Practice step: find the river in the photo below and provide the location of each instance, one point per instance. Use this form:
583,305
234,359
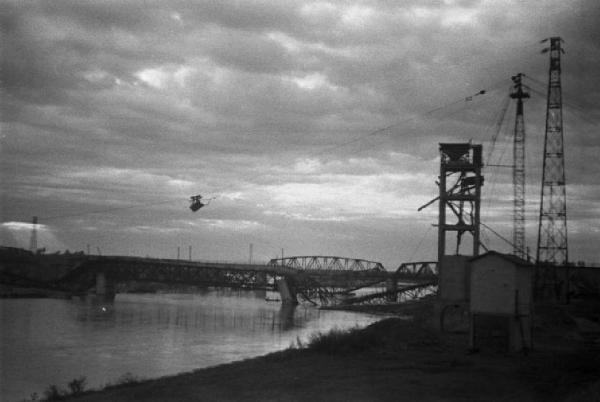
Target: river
51,341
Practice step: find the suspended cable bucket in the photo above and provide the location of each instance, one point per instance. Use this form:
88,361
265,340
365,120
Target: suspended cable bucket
197,202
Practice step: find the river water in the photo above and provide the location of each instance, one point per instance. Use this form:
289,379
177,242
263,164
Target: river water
50,341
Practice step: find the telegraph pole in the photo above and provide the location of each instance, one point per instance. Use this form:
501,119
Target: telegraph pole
519,169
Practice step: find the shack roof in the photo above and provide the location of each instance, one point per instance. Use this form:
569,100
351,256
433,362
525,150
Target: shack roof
509,257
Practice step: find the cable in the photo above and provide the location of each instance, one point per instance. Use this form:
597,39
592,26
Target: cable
497,234
502,237
493,173
465,101
420,242
499,124
48,218
574,107
386,130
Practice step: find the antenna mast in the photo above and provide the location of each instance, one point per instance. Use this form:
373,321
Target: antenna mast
519,170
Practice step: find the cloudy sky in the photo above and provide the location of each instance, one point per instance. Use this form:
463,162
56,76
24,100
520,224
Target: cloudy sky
315,125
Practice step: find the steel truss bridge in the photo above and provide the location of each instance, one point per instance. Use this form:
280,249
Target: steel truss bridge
199,273
417,270
327,263
84,272
316,278
412,280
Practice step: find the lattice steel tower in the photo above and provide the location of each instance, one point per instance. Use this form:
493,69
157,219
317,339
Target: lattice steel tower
552,231
519,170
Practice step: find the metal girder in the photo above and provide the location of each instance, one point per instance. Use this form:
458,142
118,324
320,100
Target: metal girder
322,282
327,263
409,292
418,270
164,272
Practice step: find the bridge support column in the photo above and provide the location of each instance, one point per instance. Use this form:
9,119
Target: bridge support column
261,279
287,291
391,285
104,290
261,282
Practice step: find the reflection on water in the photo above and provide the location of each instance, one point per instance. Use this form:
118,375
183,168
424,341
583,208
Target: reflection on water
47,341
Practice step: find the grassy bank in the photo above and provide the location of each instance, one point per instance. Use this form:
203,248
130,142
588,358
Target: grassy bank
391,360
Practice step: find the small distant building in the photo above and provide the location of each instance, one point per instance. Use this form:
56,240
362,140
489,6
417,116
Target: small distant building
500,302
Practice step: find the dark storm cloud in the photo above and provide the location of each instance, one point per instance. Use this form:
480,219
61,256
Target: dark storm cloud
110,103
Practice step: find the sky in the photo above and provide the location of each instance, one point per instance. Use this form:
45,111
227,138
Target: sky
314,126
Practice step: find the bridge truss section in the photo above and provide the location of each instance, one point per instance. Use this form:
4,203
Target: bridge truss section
404,293
327,263
426,270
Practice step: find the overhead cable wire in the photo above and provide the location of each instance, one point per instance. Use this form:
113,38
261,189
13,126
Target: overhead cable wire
383,130
465,100
420,242
462,100
499,123
577,111
100,211
583,113
504,238
494,171
497,234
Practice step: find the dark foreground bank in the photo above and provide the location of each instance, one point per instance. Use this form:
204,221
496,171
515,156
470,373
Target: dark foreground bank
392,360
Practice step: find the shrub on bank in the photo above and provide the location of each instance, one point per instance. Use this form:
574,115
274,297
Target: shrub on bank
389,335
125,379
342,341
55,393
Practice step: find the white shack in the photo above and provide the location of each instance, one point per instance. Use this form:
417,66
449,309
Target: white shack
501,302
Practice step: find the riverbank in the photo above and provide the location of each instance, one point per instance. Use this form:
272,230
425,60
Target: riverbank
394,359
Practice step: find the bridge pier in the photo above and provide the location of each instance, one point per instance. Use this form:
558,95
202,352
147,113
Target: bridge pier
391,285
286,289
262,279
104,289
286,316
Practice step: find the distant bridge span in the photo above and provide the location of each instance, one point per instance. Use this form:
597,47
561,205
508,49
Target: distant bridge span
327,263
102,272
218,273
120,269
320,276
427,270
